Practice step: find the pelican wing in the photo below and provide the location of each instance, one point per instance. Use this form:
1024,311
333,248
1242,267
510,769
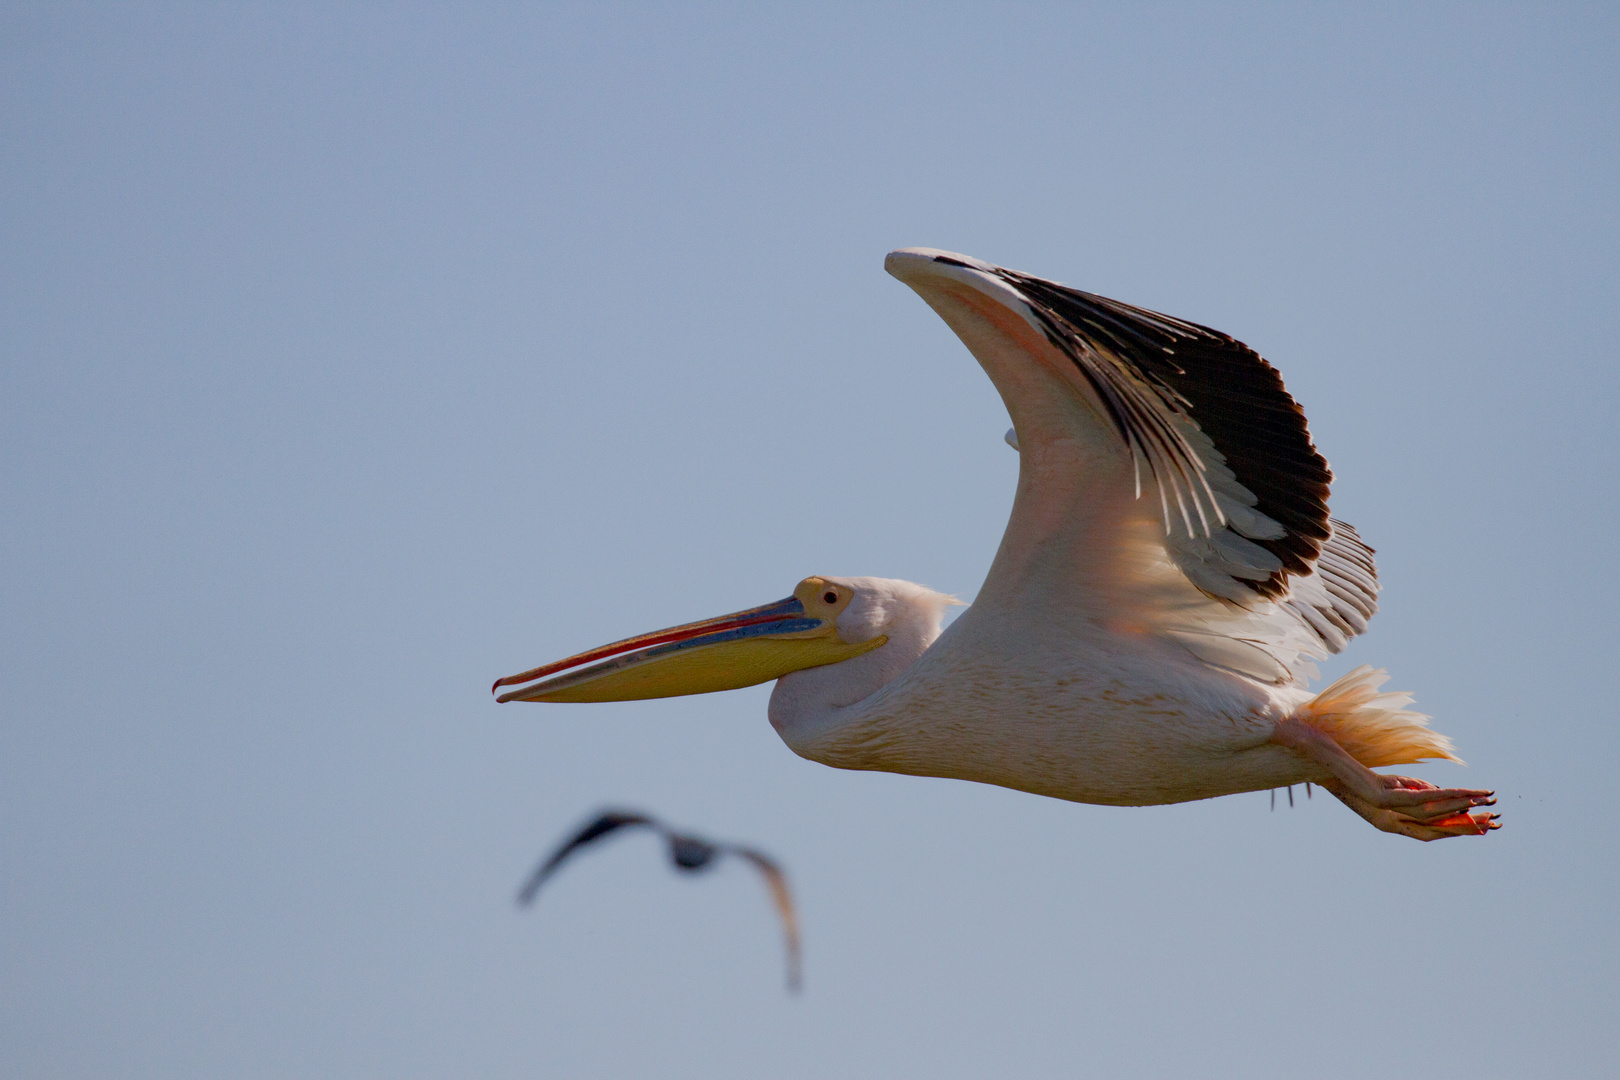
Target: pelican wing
1274,641
1194,503
1226,445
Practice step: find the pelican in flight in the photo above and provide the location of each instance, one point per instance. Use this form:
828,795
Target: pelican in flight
1146,630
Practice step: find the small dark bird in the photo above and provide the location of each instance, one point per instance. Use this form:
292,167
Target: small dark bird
690,854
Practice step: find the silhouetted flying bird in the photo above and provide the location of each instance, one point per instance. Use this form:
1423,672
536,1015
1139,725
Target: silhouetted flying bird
690,854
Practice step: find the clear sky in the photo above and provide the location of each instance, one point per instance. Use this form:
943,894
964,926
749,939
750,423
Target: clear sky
353,356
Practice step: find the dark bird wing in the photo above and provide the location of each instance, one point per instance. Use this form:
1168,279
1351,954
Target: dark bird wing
609,821
782,898
689,854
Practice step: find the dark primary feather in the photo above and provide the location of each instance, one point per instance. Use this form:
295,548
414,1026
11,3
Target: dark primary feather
1225,387
1243,492
688,854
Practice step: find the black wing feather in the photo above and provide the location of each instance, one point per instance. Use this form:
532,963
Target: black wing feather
1234,396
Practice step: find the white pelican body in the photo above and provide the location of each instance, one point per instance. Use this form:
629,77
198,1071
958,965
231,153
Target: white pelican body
1071,711
1144,633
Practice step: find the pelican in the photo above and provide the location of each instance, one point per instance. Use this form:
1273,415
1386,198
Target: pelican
1146,630
689,854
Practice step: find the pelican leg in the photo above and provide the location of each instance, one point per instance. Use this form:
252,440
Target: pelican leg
1398,804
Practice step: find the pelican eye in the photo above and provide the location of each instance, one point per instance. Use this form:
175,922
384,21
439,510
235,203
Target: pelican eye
830,597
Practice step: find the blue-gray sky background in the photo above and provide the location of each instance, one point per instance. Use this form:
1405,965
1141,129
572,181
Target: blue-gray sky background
355,356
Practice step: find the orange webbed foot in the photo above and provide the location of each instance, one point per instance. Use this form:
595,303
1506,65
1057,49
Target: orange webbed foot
1395,804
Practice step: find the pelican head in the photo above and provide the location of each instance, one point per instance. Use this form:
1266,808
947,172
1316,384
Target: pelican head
825,621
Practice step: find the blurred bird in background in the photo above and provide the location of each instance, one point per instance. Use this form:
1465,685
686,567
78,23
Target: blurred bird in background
689,854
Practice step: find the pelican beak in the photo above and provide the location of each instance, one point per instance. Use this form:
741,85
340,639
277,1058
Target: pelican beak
736,650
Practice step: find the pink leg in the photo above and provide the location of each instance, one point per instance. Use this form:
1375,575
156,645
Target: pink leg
1397,804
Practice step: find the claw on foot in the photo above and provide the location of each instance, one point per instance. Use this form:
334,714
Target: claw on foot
1422,801
1404,823
1397,804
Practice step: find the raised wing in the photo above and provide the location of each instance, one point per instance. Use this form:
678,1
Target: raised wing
609,821
1239,560
1225,444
